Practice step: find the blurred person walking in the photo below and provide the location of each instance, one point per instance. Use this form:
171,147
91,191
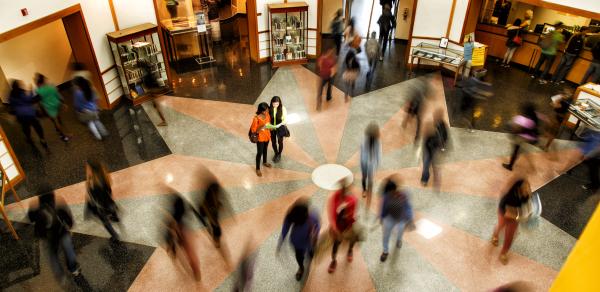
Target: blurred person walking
350,32
525,130
473,92
279,130
23,106
99,201
560,103
87,110
594,68
304,225
590,151
211,209
337,30
52,102
327,70
370,159
396,212
351,71
434,141
342,218
53,222
549,44
573,47
261,135
509,211
415,103
386,23
372,48
178,235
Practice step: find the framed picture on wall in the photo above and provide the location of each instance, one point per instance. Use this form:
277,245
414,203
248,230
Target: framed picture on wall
444,43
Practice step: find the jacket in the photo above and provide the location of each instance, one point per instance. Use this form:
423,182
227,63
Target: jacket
386,21
23,105
274,120
575,45
83,104
303,236
264,135
397,206
341,211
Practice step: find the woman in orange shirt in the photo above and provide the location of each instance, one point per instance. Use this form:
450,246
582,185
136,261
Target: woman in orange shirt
260,125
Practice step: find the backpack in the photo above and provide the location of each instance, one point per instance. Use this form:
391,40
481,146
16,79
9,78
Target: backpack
575,45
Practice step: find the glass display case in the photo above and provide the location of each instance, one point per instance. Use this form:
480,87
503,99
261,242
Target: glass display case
435,53
140,62
288,33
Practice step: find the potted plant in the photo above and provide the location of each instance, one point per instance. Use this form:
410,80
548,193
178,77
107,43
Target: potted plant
172,7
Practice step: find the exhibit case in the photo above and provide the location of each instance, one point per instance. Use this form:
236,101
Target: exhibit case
288,33
140,62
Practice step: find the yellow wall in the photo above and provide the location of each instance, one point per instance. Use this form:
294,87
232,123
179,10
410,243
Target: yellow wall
328,12
403,26
580,272
45,50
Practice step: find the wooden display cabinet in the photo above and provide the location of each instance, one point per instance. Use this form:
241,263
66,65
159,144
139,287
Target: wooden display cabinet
140,62
288,33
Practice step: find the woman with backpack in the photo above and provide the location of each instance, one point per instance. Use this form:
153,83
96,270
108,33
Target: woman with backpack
261,135
278,115
304,225
509,211
99,200
352,70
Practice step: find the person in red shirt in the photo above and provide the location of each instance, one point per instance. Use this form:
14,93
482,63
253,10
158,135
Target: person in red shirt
342,210
327,70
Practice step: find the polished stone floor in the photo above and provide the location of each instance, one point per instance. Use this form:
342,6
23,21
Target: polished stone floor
450,251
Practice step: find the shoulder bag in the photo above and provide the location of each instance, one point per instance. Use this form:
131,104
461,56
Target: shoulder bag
517,39
253,136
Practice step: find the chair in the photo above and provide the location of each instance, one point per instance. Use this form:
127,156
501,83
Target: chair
5,186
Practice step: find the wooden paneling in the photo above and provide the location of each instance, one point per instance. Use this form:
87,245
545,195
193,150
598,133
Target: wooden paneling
528,54
253,30
83,52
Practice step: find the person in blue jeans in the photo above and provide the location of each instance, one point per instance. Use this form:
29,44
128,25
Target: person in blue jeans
87,110
370,159
572,49
434,141
53,223
304,225
396,212
594,68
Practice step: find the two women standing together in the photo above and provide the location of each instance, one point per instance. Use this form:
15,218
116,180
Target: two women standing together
269,124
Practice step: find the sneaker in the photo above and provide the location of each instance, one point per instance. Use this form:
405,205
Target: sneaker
542,81
494,241
299,274
399,244
532,76
332,266
65,138
349,256
507,166
258,173
77,272
383,257
562,82
267,164
589,187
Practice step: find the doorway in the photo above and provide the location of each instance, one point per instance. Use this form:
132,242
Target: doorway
66,34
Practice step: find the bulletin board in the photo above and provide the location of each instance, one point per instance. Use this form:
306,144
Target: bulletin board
9,161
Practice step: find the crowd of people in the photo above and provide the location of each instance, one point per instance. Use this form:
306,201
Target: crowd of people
302,223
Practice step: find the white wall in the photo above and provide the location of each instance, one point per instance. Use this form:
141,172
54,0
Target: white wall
45,50
458,19
589,5
431,18
133,12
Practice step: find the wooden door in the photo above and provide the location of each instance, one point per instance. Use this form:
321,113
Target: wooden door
83,52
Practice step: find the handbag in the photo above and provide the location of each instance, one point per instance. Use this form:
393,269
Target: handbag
253,136
517,39
283,131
